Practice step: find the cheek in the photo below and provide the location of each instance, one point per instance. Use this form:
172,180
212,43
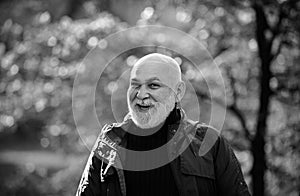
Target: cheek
161,96
131,94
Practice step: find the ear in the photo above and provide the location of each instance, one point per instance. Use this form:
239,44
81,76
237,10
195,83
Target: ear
180,90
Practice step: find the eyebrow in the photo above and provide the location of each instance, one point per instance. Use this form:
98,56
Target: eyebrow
150,79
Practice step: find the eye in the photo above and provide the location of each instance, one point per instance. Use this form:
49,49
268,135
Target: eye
134,85
154,86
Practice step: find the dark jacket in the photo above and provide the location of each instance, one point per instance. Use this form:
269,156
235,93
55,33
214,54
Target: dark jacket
206,164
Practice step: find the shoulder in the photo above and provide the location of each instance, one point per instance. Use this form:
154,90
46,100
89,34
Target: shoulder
113,130
202,131
107,141
109,127
204,136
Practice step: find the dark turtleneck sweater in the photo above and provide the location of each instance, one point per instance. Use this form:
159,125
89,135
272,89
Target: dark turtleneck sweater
154,182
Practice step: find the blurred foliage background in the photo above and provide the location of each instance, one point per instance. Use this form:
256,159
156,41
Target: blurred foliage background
42,43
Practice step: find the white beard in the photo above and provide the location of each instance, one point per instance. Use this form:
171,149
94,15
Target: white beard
155,116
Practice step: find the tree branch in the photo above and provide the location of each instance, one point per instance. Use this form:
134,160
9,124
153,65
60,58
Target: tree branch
233,109
242,120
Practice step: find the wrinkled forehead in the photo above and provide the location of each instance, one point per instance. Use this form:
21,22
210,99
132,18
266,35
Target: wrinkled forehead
158,66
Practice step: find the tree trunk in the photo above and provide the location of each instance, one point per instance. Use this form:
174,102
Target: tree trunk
258,142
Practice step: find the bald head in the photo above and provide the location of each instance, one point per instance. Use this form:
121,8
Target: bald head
165,68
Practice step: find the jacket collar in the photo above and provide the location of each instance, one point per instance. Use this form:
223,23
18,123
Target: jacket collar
179,128
183,132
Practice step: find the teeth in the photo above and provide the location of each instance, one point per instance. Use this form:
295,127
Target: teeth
144,102
141,104
144,105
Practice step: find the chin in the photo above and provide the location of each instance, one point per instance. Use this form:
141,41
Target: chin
151,118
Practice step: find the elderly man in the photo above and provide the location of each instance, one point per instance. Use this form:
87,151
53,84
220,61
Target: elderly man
155,118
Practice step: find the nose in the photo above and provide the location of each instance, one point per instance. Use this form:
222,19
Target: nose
142,93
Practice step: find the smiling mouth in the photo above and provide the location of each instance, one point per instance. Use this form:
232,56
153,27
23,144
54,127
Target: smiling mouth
143,108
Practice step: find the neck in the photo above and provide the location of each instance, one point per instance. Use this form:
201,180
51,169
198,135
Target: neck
151,128
136,130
